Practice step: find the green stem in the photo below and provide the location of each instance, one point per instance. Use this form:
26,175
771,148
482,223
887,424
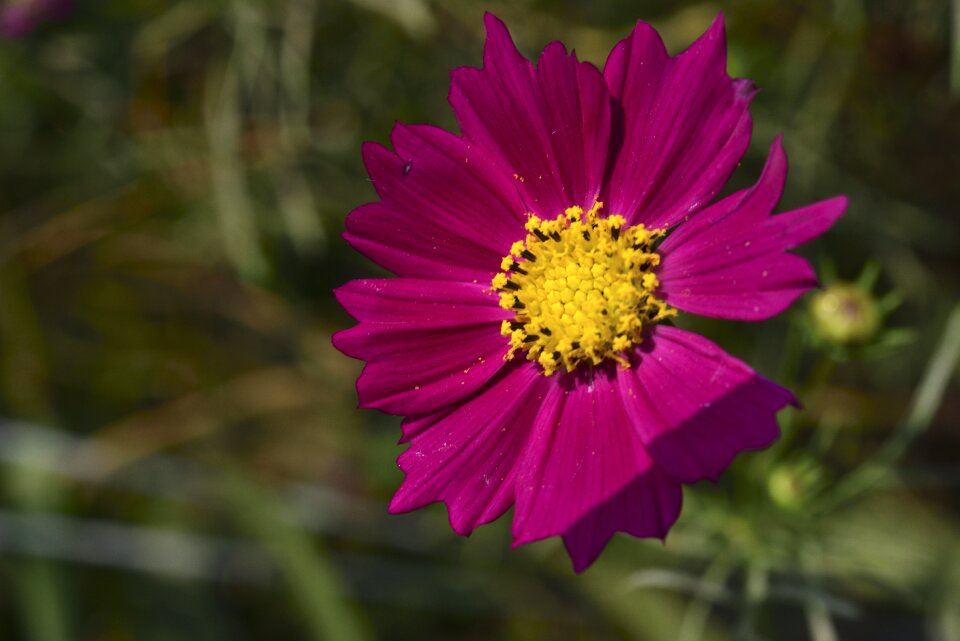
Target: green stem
756,593
312,580
698,612
923,407
39,586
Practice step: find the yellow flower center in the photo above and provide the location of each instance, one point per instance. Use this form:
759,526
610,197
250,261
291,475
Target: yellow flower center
582,288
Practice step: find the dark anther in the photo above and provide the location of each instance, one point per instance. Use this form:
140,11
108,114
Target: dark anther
556,356
555,236
512,285
586,235
546,330
517,268
539,234
651,313
575,344
530,338
518,305
603,311
615,232
526,253
516,326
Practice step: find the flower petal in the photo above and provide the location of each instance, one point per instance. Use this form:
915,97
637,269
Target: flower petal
550,127
578,121
468,457
585,473
729,260
684,125
447,211
647,507
427,343
695,407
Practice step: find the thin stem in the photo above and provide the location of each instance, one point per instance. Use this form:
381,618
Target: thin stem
698,612
926,401
955,50
756,593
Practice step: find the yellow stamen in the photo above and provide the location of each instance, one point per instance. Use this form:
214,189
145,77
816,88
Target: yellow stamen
582,287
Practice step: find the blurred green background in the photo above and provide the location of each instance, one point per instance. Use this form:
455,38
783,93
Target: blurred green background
180,450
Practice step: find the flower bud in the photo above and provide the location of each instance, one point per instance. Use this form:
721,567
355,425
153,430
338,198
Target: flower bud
845,313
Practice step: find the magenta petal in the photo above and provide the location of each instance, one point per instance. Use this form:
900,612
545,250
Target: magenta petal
685,125
550,127
578,119
729,260
586,475
411,426
468,457
695,407
647,507
427,343
447,211
422,303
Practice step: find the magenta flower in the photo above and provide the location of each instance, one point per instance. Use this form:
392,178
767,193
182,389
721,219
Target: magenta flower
537,257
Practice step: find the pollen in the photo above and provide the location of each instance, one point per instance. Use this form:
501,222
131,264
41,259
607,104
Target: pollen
582,288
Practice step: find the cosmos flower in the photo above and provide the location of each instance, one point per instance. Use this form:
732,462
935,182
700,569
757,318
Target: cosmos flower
540,257
20,17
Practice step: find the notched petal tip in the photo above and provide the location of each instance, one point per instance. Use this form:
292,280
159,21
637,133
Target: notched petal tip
498,42
643,30
832,209
342,295
555,49
380,163
714,37
338,340
777,142
401,504
374,154
720,406
773,178
719,23
587,539
491,21
745,89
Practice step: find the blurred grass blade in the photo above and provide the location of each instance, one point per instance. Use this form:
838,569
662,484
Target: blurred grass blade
297,206
171,28
39,584
248,396
313,582
932,387
926,401
413,16
709,587
819,621
695,619
49,538
234,205
955,51
948,624
755,595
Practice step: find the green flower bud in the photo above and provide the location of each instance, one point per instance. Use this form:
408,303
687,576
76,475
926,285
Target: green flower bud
845,313
790,485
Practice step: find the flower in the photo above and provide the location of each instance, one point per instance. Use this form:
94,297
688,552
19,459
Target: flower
848,320
20,17
538,256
